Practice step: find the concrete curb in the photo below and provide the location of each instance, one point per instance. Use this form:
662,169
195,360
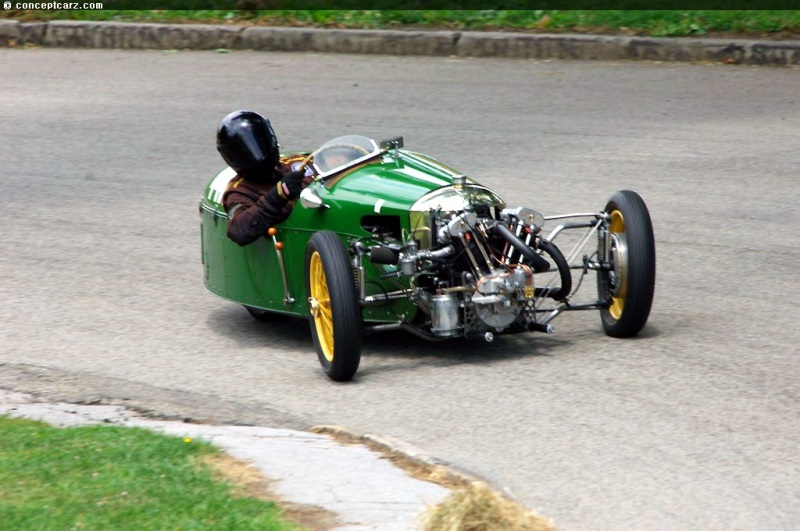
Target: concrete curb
84,34
408,457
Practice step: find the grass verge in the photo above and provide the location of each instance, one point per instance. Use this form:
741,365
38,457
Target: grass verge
111,477
656,23
106,477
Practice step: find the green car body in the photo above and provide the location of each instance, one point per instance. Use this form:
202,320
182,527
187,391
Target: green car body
378,192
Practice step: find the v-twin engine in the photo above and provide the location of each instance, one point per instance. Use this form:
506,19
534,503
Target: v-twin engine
478,275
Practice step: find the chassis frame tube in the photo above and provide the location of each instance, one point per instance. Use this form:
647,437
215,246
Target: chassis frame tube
552,313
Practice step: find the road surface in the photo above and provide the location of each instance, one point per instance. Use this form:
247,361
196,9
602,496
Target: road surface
693,425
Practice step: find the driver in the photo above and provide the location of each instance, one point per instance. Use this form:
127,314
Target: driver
263,192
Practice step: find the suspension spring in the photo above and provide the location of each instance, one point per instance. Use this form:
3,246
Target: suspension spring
601,245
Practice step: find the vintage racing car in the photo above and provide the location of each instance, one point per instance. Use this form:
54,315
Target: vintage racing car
387,238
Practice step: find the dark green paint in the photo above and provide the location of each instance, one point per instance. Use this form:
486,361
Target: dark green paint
250,275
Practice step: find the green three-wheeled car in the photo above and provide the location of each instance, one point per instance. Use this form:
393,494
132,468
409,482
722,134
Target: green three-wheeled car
386,238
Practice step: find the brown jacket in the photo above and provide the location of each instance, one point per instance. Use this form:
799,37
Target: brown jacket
255,206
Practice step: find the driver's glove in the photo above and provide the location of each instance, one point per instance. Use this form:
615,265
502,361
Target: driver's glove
291,185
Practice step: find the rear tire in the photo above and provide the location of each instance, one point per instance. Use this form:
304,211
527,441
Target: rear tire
631,251
265,316
334,311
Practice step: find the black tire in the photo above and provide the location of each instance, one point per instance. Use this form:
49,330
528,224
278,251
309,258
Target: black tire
334,311
629,287
264,316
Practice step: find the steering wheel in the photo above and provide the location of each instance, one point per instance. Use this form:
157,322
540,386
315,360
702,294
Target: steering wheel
339,156
358,149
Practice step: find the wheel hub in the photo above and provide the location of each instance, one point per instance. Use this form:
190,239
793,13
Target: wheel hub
313,306
619,262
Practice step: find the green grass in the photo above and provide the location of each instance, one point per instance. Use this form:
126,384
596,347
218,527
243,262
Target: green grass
104,477
776,24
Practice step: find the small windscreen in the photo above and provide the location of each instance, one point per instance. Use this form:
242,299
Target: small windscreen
342,152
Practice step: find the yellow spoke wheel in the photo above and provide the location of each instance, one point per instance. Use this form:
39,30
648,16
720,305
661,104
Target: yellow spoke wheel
629,283
617,227
320,302
333,306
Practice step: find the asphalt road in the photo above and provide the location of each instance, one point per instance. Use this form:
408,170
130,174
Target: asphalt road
694,425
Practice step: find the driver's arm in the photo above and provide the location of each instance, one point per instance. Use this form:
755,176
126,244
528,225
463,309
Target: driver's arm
255,207
251,212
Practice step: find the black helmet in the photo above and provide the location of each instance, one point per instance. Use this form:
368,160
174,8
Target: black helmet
248,144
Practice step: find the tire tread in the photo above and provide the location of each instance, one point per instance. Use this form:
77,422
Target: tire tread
344,306
641,266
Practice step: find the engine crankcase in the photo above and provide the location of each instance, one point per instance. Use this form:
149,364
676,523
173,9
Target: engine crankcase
495,302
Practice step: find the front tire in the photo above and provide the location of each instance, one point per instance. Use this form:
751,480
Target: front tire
631,252
334,311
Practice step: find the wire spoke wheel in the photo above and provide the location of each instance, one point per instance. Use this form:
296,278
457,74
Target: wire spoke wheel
629,284
322,319
334,312
618,277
